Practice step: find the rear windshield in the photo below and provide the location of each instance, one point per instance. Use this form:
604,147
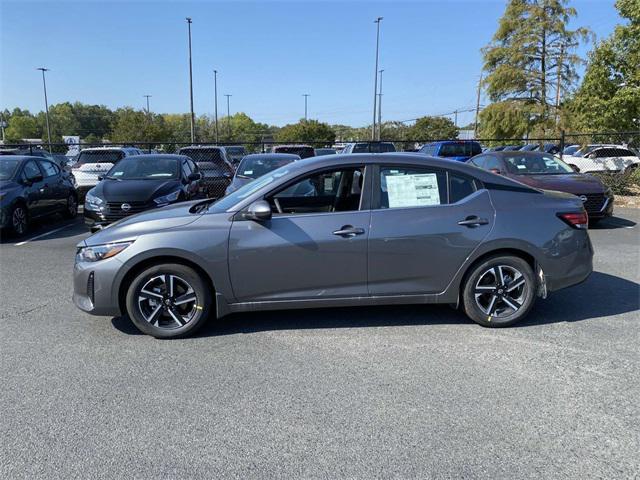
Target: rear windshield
235,150
466,149
100,157
303,152
203,154
374,147
257,166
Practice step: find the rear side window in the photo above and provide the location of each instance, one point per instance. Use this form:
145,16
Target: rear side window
31,170
49,168
404,187
460,187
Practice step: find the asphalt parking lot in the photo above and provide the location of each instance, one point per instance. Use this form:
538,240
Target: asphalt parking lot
400,392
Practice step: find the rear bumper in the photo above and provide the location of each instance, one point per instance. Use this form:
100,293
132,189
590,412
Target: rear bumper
573,269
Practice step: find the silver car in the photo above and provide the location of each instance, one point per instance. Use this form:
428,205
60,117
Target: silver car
376,229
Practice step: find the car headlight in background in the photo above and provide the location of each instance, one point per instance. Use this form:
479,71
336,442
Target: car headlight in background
166,199
100,252
91,202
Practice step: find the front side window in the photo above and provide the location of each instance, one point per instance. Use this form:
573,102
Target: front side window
403,187
329,191
31,170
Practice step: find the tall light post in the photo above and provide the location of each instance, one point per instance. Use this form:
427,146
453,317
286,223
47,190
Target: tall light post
193,119
215,95
228,115
305,95
46,104
380,108
475,125
375,78
147,97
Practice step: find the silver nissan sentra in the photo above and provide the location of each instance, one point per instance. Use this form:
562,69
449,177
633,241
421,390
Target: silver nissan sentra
341,230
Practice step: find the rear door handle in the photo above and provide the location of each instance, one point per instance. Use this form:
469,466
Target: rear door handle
473,221
348,231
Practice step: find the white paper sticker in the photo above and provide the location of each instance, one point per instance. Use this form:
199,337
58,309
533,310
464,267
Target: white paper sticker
248,172
417,190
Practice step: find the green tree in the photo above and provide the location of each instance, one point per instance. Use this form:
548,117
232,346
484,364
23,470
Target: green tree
433,128
609,97
510,119
308,131
22,125
240,128
531,53
138,126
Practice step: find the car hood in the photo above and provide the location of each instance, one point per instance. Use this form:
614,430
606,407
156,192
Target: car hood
575,183
129,228
134,190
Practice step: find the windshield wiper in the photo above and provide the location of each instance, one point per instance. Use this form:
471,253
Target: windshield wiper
243,176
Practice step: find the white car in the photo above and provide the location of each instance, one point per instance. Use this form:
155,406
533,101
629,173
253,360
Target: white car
95,162
603,158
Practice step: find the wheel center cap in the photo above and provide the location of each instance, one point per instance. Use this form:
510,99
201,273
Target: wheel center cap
500,291
167,301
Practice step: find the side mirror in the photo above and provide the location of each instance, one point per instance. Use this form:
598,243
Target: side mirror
259,211
194,177
575,168
227,175
496,171
591,156
100,178
34,179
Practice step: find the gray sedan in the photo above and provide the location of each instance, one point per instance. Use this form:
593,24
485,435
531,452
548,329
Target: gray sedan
374,229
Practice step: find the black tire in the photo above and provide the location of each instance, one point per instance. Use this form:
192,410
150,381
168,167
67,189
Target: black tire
71,210
501,314
141,306
19,227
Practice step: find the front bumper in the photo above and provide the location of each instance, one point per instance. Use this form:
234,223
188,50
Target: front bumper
605,211
93,287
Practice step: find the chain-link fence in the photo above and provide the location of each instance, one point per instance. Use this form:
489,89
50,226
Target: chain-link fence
613,157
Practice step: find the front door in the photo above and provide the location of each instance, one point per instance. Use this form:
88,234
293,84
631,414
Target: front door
426,224
314,247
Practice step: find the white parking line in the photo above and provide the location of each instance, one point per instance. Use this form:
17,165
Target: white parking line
19,244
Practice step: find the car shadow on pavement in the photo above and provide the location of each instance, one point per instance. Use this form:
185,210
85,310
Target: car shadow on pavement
612,223
601,295
67,228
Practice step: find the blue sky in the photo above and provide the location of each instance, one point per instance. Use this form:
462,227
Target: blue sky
267,53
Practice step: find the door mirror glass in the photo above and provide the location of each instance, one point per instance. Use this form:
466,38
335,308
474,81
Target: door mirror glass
193,177
258,211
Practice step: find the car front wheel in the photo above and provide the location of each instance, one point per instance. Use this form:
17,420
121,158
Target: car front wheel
169,301
500,291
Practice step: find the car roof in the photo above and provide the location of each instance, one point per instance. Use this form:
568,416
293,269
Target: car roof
524,153
116,149
158,156
202,147
292,146
19,157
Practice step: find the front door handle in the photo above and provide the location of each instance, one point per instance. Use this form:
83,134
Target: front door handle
473,221
348,231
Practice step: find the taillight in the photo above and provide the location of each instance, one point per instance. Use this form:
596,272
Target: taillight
575,220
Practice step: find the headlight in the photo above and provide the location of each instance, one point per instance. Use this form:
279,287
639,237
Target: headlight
165,199
91,202
100,252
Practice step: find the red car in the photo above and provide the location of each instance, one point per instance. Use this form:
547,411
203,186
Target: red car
547,172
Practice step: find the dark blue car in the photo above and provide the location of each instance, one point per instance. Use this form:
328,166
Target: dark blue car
459,150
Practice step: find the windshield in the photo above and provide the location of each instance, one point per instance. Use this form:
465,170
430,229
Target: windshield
235,150
536,165
142,167
258,166
464,149
8,168
225,203
100,157
303,152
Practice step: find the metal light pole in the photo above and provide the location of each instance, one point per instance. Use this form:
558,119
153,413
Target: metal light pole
228,115
193,120
380,108
475,126
215,94
375,78
46,104
147,97
305,95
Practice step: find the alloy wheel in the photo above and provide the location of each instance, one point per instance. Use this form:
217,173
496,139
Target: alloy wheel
167,301
500,291
19,220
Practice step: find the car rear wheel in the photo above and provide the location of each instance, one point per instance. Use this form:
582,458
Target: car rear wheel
19,219
72,207
169,301
500,291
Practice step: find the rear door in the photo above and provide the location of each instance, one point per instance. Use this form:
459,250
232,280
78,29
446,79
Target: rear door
55,189
314,247
424,224
35,191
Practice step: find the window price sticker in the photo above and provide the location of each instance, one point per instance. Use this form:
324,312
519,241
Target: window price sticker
417,190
